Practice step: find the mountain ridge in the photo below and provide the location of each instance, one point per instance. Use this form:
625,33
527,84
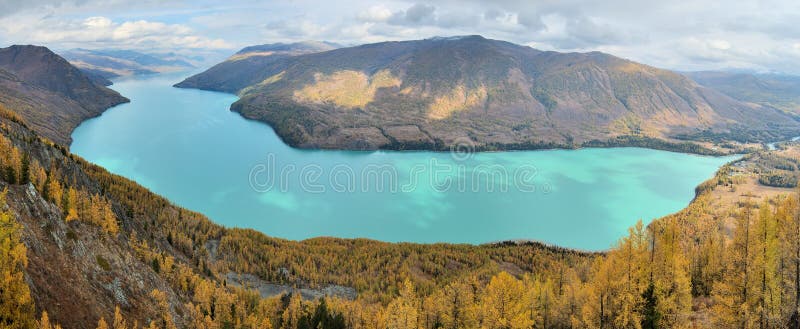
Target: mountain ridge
111,63
779,91
245,66
434,93
49,93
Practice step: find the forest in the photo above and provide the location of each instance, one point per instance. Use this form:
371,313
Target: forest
690,269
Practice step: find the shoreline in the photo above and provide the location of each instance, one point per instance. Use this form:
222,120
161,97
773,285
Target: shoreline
677,145
525,241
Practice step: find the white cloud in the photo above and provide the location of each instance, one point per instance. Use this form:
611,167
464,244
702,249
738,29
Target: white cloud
719,44
98,31
97,22
375,14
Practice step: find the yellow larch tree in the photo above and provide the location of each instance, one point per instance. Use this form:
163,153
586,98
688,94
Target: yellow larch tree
505,304
16,304
403,311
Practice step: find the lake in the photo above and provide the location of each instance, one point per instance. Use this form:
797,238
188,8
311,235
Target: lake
187,146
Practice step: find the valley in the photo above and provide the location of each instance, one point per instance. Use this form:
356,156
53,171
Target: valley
107,216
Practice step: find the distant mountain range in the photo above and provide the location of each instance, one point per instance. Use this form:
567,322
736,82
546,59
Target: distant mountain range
50,94
113,63
438,92
779,91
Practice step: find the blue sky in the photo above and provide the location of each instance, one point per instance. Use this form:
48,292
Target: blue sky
760,35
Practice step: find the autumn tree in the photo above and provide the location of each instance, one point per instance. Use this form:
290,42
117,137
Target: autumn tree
160,299
294,315
101,324
119,321
765,269
669,278
70,204
403,311
38,176
620,280
542,300
457,304
733,295
45,323
788,217
505,304
54,191
16,305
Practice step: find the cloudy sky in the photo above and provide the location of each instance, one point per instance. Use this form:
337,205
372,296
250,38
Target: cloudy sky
682,35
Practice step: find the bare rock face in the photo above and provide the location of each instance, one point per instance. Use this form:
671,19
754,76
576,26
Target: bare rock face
496,94
269,289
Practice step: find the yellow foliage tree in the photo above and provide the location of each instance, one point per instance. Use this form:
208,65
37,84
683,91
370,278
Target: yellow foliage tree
70,204
119,321
16,304
403,311
160,299
101,324
294,311
504,304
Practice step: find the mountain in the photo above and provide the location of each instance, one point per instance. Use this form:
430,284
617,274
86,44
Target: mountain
51,95
779,91
249,65
440,92
113,63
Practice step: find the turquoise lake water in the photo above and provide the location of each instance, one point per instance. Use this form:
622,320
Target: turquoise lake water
186,145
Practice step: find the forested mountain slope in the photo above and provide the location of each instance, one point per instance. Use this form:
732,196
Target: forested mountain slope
438,92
